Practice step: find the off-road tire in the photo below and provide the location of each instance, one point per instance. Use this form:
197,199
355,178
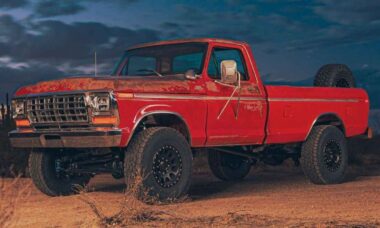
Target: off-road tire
334,75
140,164
221,167
316,160
42,172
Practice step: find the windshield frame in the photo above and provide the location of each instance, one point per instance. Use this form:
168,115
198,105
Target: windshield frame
124,59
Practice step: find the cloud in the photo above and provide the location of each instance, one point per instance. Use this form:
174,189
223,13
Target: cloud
237,23
52,8
6,61
344,23
349,12
39,50
337,35
13,78
57,42
10,31
10,4
49,8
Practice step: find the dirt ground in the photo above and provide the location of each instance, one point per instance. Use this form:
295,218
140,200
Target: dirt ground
273,198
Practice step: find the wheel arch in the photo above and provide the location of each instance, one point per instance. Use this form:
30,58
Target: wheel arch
329,118
162,118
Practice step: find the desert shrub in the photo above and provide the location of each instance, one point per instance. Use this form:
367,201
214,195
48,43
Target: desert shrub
132,212
12,162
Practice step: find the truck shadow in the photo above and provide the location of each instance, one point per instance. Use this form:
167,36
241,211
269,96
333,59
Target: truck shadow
266,182
206,186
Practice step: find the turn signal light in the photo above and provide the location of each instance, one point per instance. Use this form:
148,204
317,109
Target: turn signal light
125,95
22,123
105,120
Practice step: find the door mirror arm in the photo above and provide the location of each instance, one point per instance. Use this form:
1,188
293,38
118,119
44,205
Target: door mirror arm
237,88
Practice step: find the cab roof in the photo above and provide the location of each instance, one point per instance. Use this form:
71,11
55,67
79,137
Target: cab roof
191,40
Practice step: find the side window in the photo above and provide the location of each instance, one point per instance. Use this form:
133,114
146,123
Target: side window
220,54
136,65
182,63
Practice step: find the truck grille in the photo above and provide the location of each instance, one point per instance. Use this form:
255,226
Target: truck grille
57,110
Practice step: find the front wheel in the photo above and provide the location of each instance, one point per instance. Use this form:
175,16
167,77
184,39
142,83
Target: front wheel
228,167
158,164
324,156
47,170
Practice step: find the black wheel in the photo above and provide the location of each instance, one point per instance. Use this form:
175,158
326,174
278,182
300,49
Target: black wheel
334,75
158,162
324,155
228,167
48,175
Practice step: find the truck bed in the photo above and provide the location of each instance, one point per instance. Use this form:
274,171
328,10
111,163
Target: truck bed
291,106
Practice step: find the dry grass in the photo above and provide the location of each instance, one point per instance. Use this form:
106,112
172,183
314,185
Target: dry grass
132,212
135,213
11,196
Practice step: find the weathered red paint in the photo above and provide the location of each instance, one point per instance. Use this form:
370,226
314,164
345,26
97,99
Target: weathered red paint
267,114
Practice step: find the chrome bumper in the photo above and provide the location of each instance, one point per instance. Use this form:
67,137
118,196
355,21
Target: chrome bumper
65,139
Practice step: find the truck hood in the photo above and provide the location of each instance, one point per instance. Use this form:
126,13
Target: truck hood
145,84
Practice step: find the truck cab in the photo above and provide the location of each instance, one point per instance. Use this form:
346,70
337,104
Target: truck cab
167,100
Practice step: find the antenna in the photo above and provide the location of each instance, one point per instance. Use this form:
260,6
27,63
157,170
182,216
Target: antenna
95,65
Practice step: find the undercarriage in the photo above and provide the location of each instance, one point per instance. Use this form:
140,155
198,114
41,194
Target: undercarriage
103,160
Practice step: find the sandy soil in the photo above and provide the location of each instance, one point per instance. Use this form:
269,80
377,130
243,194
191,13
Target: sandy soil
265,198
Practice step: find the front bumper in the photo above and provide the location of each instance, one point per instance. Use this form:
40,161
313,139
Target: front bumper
65,139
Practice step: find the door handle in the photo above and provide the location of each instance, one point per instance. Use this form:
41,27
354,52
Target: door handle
252,89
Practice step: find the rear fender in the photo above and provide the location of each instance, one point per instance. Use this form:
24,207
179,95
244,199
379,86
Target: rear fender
329,118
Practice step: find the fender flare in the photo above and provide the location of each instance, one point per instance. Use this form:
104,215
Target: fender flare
138,119
326,114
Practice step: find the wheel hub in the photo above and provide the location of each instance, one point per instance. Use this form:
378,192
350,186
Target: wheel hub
167,166
332,155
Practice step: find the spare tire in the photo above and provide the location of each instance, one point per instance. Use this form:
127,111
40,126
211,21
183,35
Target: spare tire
334,75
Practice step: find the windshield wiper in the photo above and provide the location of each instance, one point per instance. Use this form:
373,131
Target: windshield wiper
151,70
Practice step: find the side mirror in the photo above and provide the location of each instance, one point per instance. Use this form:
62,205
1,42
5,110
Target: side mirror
191,75
229,73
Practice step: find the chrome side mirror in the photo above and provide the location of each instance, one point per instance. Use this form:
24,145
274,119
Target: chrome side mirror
229,72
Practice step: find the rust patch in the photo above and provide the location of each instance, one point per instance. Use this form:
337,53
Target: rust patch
256,106
198,88
107,83
171,86
211,87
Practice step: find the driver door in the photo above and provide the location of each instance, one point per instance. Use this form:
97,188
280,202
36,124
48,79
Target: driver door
242,122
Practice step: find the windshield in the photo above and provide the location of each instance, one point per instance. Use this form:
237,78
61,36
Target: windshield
162,60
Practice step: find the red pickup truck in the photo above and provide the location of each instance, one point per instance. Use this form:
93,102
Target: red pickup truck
165,101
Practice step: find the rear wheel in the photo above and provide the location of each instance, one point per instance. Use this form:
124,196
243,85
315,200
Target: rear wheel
48,175
334,75
228,167
324,155
158,164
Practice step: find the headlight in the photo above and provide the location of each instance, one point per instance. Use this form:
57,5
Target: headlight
18,108
101,103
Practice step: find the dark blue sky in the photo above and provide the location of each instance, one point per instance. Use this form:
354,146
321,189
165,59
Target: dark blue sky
291,39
